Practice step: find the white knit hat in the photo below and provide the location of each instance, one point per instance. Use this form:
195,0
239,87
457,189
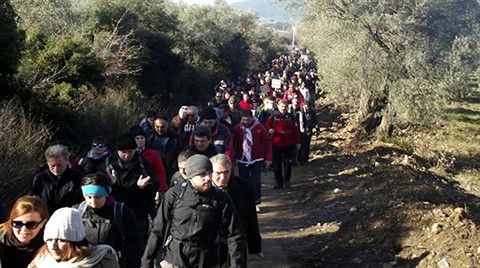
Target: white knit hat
66,224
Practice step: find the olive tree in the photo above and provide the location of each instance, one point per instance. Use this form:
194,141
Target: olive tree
397,61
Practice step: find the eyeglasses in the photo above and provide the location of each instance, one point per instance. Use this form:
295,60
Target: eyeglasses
98,145
29,224
190,115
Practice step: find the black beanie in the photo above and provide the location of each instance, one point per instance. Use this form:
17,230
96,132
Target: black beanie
126,142
137,131
197,164
209,113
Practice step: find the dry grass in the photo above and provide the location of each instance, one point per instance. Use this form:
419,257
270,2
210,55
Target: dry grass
110,114
22,142
451,147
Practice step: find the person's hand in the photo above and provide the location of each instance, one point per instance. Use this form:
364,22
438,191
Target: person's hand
298,146
260,254
268,163
271,131
143,182
113,176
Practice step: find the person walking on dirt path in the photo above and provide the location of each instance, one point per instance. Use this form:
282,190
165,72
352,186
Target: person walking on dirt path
242,194
193,120
202,142
107,221
283,130
167,143
190,220
253,151
180,176
221,135
311,126
133,181
58,185
147,122
95,160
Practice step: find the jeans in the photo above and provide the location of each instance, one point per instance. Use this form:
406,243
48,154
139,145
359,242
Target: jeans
253,173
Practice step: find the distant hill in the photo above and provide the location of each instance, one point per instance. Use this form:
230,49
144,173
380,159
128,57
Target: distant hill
267,10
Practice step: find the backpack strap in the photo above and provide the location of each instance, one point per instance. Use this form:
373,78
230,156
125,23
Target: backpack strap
166,236
118,215
82,207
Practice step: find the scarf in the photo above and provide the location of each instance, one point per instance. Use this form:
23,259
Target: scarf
248,140
99,252
91,155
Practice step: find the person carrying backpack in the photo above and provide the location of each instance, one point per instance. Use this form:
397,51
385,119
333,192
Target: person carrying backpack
109,222
190,220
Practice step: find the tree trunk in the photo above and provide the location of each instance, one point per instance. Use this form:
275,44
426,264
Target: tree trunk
385,128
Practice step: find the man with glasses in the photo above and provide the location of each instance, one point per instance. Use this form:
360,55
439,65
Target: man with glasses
192,121
95,160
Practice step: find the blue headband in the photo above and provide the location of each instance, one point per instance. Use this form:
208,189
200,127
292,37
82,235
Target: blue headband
95,189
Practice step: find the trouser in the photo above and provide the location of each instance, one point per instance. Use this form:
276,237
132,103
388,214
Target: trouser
308,141
253,173
282,161
301,153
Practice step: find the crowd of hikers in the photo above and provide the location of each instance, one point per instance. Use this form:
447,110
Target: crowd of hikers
179,192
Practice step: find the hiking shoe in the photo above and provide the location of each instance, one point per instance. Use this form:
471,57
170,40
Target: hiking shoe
287,184
257,208
277,186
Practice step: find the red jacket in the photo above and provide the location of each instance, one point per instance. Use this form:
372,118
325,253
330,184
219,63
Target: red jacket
261,148
153,158
246,105
286,129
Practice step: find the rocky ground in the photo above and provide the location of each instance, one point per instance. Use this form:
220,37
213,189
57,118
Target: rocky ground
367,205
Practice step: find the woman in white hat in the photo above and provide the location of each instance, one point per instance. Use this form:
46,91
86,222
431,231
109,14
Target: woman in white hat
66,246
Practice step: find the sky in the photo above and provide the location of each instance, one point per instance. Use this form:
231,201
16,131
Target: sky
202,2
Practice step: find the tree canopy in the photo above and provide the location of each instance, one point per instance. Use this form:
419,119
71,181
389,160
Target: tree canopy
398,61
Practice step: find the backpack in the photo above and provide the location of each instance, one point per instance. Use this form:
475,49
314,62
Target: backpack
168,237
117,214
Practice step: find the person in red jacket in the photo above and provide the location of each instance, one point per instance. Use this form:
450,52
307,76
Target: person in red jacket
253,151
246,103
151,156
284,132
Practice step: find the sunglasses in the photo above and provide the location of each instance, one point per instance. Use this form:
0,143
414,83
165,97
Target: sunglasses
29,224
98,145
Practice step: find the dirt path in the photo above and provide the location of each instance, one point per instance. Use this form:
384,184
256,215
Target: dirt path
373,205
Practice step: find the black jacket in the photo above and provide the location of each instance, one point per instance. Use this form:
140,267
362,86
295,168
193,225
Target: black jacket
209,152
58,191
126,189
101,227
88,164
168,147
196,221
15,254
241,192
